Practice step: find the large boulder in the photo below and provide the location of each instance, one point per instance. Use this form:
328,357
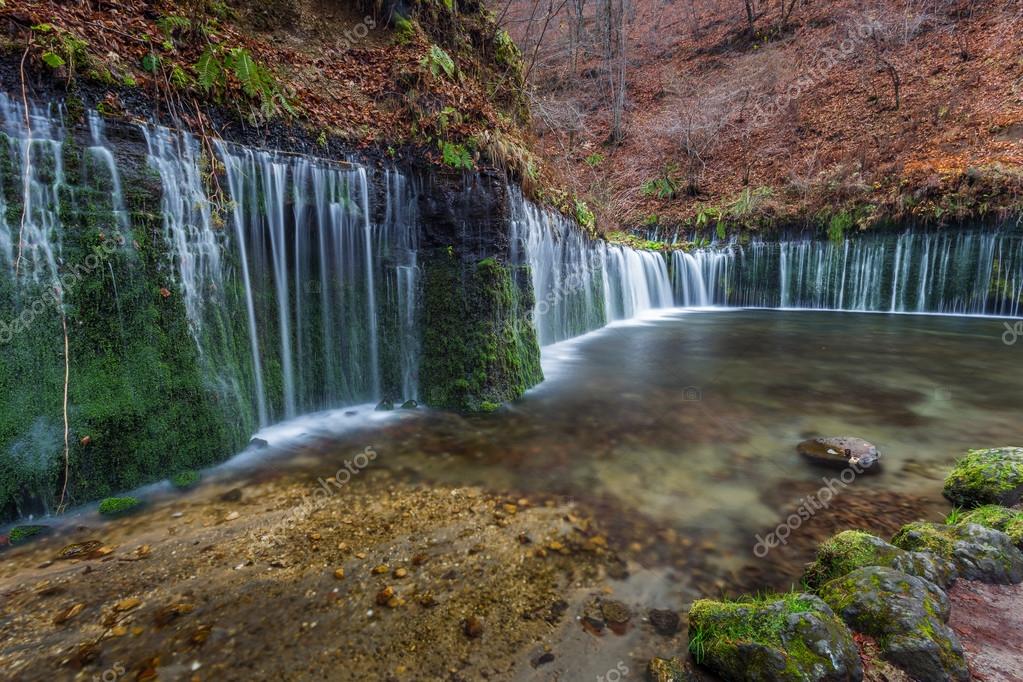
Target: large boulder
906,615
780,637
852,549
841,452
978,553
1009,521
992,476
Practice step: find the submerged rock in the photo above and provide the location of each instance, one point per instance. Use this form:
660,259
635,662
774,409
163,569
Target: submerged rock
409,405
384,406
841,452
978,553
906,615
670,670
665,621
852,549
779,637
258,444
1008,521
992,476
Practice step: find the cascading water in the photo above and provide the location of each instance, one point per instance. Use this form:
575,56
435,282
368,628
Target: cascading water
976,272
582,284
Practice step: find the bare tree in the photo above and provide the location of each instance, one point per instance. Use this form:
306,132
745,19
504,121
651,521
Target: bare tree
611,20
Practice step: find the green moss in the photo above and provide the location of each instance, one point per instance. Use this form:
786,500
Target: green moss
846,552
21,534
113,506
1009,521
740,638
990,476
185,479
479,346
921,536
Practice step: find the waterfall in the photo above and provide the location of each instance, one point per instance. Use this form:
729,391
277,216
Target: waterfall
977,272
581,284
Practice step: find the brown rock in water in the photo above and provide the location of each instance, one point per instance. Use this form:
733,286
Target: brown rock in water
842,452
615,612
472,627
665,621
80,550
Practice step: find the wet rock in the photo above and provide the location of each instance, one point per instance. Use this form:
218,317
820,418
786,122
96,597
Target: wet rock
665,621
852,549
1009,521
339,573
906,615
258,444
384,406
385,595
409,405
978,553
778,637
127,604
232,495
166,615
615,612
79,550
68,613
841,452
670,670
992,476
542,659
472,627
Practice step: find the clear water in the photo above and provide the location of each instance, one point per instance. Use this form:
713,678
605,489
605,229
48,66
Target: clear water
686,423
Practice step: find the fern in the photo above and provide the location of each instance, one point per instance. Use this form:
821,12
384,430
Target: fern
456,156
209,70
438,61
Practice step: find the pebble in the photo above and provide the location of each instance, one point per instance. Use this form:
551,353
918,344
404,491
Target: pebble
127,604
665,621
400,573
339,573
472,627
380,570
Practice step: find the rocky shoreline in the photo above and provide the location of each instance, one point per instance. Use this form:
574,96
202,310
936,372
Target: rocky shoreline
393,578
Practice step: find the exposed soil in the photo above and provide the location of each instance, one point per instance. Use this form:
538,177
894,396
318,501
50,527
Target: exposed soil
989,622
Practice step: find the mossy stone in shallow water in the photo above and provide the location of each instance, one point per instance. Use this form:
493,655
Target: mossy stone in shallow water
992,476
1009,521
115,506
185,480
978,553
20,534
409,405
778,637
906,615
854,549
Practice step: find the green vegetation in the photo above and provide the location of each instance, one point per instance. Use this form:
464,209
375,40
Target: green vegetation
846,552
185,480
479,345
115,506
991,476
1008,521
456,155
438,62
20,534
217,64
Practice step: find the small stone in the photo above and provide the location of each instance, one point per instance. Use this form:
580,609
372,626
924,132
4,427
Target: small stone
385,595
232,495
666,670
427,600
842,451
79,550
543,659
118,631
472,627
68,613
510,509
419,559
339,573
232,516
400,572
665,621
615,612
360,555
380,570
127,604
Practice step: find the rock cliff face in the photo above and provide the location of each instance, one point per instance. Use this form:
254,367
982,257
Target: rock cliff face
208,287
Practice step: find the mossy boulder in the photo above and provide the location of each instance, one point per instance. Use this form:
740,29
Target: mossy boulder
20,534
992,476
670,670
1009,521
852,549
978,553
906,615
185,480
117,506
779,637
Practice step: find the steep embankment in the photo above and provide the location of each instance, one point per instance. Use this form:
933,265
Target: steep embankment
845,114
